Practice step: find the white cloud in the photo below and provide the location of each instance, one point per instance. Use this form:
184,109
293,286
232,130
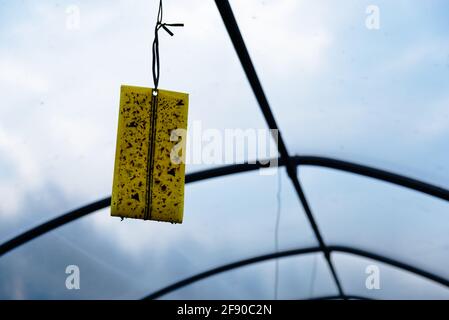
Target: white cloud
286,35
25,176
60,99
422,53
15,76
434,123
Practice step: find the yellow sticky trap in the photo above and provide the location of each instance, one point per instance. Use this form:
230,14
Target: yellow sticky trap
149,159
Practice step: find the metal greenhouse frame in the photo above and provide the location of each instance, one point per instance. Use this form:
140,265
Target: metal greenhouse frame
290,163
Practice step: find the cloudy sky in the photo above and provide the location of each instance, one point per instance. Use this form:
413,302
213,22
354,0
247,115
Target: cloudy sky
337,88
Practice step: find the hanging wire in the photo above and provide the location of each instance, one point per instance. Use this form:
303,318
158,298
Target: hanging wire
313,276
156,58
276,234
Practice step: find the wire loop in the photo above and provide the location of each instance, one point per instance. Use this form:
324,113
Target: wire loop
156,58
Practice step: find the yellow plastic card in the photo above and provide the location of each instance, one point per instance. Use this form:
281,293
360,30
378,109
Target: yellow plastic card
149,167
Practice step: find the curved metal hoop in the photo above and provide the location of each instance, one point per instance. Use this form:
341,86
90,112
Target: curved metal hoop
233,169
341,165
300,251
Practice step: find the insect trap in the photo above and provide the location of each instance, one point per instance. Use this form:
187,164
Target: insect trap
149,171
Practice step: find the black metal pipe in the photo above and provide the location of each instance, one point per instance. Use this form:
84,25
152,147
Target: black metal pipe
106,202
341,165
53,224
375,173
391,262
300,251
242,52
200,276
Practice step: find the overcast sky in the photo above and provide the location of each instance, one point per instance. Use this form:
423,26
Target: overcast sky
337,88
